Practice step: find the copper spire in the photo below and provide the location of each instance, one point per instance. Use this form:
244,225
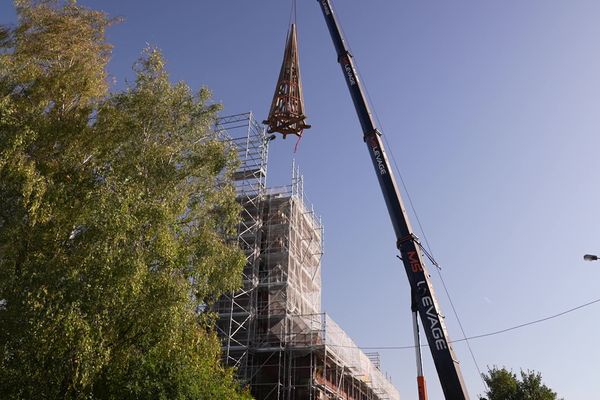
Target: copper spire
287,109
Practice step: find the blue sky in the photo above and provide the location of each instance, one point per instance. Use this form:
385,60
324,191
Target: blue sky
492,111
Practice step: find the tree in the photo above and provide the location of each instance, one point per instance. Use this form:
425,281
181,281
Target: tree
115,211
504,385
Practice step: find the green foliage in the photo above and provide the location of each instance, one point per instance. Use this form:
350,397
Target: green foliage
114,214
504,385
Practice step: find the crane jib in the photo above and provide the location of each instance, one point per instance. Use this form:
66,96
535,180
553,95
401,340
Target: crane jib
423,296
433,322
377,155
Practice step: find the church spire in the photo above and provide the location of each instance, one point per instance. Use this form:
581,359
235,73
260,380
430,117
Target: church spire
287,108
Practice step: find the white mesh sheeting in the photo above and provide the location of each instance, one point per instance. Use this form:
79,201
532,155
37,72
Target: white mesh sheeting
340,344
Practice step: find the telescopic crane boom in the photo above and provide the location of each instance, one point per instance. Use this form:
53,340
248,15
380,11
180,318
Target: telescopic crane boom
424,299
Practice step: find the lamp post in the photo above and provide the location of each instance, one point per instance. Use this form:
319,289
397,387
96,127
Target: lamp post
590,257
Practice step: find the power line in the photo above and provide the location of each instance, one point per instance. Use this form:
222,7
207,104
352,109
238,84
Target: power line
465,338
430,253
512,328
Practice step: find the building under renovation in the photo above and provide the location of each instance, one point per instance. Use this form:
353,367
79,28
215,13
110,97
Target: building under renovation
273,331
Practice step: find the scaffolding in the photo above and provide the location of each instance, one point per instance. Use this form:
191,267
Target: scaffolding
273,331
237,310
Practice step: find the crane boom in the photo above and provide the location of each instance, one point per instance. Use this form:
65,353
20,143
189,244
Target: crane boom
444,358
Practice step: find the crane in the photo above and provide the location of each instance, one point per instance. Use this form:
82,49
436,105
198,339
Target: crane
424,302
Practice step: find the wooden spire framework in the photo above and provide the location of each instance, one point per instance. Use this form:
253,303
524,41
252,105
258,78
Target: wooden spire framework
287,108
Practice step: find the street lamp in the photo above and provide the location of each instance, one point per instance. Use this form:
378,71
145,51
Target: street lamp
590,257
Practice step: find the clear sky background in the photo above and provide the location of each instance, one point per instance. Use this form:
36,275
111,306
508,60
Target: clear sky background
492,111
